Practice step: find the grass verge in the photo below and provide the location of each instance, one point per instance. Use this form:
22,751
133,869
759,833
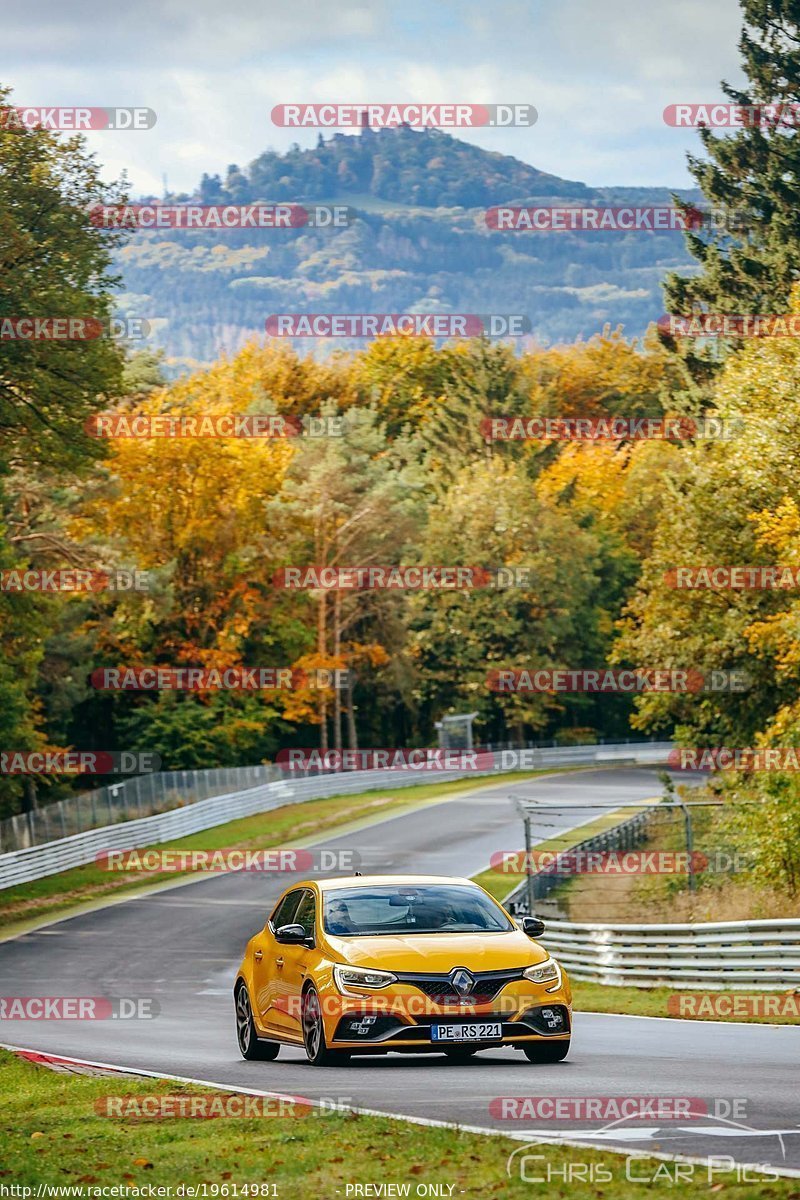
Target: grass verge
294,824
53,1136
655,1002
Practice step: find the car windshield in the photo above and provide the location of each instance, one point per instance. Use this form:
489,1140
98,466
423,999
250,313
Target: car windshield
393,909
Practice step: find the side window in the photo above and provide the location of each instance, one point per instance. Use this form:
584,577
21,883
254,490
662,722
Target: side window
285,909
305,913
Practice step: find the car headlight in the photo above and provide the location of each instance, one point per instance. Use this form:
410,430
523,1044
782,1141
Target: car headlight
545,972
360,977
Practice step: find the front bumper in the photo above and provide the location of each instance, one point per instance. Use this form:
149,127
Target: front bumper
366,1028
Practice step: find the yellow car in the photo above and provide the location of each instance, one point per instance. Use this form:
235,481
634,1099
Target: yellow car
372,964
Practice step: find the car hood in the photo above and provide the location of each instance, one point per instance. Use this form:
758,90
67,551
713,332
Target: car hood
431,953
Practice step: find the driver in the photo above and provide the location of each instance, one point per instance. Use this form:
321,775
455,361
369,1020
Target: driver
339,919
432,915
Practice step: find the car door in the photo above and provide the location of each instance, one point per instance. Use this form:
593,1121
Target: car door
267,997
296,961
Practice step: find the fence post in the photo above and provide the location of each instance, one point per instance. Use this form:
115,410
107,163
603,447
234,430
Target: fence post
687,821
528,865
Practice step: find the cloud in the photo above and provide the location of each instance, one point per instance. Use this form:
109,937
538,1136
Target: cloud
600,75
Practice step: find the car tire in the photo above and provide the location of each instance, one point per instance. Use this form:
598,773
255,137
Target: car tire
546,1052
316,1047
461,1054
251,1046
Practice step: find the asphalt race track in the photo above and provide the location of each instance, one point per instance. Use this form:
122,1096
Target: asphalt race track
182,946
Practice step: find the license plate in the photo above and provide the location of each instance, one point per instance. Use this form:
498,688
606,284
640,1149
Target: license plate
477,1032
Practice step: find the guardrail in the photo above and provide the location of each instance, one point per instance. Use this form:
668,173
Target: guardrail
751,955
127,800
35,862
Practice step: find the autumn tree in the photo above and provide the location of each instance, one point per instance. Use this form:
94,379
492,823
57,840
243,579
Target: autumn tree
730,503
351,500
490,518
191,512
53,263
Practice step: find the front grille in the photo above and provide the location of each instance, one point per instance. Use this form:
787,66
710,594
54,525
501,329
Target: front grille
440,989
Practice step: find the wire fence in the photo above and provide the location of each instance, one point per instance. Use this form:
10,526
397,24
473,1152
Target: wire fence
127,800
159,792
625,836
35,862
761,955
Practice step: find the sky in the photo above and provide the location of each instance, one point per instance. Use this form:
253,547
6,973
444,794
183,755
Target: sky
599,74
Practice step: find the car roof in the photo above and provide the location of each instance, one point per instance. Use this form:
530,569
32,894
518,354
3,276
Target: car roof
359,881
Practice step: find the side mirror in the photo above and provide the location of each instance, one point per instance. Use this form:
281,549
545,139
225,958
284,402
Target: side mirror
290,935
532,926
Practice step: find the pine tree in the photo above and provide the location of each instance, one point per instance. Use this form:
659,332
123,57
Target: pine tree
751,179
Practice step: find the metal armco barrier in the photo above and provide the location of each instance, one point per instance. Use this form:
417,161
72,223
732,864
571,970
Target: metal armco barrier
35,862
127,799
746,955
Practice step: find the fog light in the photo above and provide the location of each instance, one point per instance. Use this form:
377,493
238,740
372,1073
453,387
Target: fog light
362,1026
553,1017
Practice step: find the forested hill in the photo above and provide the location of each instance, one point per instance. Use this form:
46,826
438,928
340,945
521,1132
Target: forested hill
420,243
427,168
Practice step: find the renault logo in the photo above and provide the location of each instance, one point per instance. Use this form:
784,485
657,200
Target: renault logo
462,981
